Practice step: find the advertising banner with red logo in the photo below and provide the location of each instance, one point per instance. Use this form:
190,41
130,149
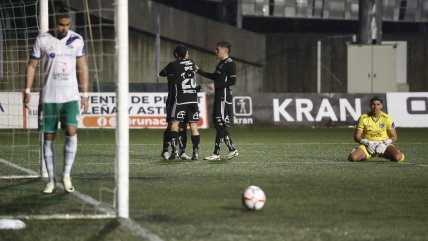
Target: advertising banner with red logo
146,110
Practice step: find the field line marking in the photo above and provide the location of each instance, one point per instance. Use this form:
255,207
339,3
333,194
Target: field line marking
109,211
138,230
23,169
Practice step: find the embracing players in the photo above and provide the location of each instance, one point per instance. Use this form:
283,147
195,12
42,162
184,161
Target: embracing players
183,101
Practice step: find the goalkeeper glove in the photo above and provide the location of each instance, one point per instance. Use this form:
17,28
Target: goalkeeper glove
198,88
364,142
381,148
371,145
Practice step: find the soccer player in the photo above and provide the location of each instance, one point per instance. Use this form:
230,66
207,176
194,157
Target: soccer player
375,132
224,77
183,101
182,138
60,51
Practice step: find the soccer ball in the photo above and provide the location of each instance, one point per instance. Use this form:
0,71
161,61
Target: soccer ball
253,198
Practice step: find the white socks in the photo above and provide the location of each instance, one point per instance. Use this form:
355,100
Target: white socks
70,148
49,155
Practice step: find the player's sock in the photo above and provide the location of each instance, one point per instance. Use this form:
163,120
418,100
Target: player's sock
195,141
49,155
402,158
165,141
174,138
228,141
70,148
218,140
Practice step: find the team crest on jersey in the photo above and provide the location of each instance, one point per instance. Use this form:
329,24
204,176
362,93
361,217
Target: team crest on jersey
382,125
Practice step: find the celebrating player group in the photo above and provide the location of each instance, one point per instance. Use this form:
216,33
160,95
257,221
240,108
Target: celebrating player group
182,103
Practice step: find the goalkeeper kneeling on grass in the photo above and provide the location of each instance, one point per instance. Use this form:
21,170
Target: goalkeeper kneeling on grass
375,132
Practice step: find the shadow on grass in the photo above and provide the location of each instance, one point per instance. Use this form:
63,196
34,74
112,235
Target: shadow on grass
175,162
104,233
219,162
14,183
33,204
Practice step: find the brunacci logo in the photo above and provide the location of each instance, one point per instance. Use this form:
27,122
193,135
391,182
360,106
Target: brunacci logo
242,110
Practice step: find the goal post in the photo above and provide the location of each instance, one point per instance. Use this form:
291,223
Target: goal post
122,130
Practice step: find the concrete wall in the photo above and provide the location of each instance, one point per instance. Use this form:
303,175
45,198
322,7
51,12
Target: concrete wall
291,62
199,34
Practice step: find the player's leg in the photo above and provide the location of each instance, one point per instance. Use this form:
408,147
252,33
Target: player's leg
196,139
360,153
50,123
182,140
227,139
166,136
218,141
218,124
166,141
194,119
69,123
173,136
393,154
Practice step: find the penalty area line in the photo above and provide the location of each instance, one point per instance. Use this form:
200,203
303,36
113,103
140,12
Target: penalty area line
110,212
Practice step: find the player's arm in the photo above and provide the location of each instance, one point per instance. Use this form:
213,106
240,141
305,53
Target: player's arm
211,76
230,72
29,78
164,72
84,81
392,134
358,135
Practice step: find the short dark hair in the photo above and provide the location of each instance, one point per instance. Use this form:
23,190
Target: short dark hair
62,12
225,44
374,98
180,51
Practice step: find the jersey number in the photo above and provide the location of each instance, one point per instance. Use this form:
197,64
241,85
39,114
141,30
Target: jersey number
189,81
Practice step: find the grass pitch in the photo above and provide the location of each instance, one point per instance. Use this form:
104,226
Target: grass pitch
313,192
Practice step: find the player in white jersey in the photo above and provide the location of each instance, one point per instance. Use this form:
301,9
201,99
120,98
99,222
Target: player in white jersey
60,52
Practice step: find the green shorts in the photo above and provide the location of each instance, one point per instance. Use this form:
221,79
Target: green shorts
66,113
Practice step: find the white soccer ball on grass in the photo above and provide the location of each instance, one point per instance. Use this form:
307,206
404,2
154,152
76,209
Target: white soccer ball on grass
253,198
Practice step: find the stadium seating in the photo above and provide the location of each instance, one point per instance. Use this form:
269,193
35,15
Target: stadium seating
393,10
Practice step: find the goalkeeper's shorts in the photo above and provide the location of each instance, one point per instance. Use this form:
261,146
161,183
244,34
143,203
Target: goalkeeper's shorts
364,148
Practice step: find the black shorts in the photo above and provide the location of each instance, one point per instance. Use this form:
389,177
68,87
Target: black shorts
185,113
222,112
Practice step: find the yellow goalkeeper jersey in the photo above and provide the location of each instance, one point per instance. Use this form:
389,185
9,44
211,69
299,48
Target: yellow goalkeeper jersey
375,129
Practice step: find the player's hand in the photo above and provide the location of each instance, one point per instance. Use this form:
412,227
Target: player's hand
84,104
371,148
211,86
381,148
364,142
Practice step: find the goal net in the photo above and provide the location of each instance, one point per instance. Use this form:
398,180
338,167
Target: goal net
21,160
